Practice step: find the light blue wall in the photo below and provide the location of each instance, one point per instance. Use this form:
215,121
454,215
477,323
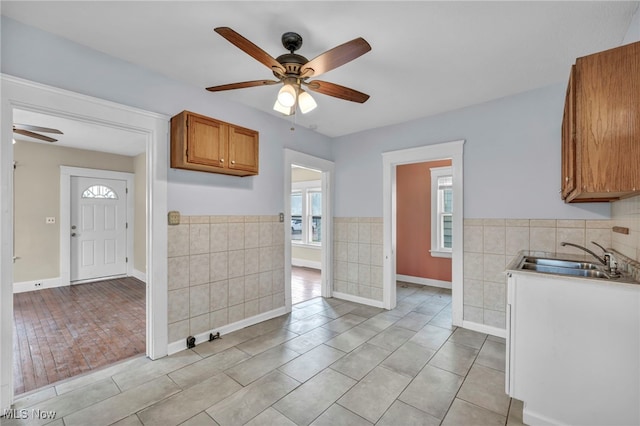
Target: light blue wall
45,58
511,159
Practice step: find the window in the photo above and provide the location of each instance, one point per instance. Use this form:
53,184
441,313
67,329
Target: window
306,213
442,211
99,191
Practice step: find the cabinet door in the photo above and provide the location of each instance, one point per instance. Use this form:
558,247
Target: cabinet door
206,141
608,122
569,138
243,149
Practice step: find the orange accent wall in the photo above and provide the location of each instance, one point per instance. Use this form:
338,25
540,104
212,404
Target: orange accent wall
413,210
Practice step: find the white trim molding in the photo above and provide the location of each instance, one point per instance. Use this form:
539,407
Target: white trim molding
22,94
357,299
390,160
483,328
181,345
24,286
304,263
423,281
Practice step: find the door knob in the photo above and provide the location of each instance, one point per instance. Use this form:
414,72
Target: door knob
73,227
73,234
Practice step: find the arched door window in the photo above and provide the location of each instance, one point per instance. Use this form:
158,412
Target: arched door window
99,191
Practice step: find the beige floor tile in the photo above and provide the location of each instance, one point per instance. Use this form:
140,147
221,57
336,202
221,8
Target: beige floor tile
371,397
307,324
306,342
207,367
351,339
344,323
78,382
471,338
454,358
402,414
431,337
432,391
260,365
361,361
340,416
202,419
484,387
124,404
250,401
311,363
311,399
409,359
270,417
132,420
464,413
34,398
392,338
180,407
135,377
492,355
515,413
414,321
266,341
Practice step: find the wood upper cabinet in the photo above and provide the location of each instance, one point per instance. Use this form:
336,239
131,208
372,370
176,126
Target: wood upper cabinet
601,156
208,145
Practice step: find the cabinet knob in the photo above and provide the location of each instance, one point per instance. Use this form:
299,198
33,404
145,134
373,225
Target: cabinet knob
233,162
566,179
222,160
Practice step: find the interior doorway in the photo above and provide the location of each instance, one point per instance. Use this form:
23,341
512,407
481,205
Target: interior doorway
321,230
391,160
18,94
306,233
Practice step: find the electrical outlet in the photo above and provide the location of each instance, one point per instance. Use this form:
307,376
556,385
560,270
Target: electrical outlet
50,220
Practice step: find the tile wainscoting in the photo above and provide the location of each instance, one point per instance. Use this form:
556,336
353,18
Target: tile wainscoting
223,270
491,244
358,257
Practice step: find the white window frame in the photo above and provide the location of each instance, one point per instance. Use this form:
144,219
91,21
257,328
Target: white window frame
437,250
305,188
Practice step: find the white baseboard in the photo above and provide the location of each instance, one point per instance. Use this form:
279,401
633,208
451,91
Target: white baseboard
139,275
24,286
306,263
483,328
358,299
181,345
423,281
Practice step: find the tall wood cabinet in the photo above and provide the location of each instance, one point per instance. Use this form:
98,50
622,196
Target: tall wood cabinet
601,127
204,144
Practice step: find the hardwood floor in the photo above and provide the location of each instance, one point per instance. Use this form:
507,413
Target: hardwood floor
305,284
65,331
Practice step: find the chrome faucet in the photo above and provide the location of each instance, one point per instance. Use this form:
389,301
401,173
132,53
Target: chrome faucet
607,260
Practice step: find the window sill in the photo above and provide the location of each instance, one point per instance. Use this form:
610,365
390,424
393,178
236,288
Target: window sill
436,253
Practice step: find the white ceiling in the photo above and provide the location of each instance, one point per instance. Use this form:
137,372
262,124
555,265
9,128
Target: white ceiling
426,58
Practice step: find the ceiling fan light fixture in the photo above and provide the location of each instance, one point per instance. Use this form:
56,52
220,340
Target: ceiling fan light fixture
282,109
287,96
306,102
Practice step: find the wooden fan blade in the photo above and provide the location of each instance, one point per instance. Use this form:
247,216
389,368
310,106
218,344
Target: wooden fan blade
250,49
34,135
337,91
242,85
335,57
37,128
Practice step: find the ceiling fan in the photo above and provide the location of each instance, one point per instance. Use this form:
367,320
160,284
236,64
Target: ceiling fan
295,70
28,130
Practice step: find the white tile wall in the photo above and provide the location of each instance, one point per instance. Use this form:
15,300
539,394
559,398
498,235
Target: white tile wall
358,256
223,269
491,244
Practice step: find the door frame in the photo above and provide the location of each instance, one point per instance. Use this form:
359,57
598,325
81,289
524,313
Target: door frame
66,173
28,95
326,168
391,159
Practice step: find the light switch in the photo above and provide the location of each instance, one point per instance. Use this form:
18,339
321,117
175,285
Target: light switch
50,220
174,218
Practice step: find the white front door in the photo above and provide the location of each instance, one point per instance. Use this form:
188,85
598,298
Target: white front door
98,228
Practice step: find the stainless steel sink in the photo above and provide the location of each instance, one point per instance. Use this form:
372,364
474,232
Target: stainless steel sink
560,263
574,271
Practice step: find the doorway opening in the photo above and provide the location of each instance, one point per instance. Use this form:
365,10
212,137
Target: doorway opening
79,274
306,233
19,94
309,216
451,236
